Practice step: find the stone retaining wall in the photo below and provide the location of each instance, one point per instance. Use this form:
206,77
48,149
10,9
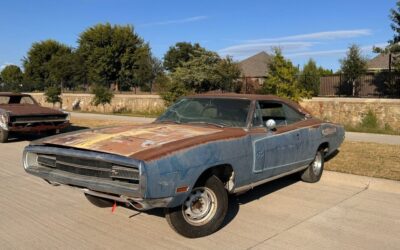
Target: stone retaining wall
352,110
120,103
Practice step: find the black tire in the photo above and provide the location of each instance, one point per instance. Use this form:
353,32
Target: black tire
99,202
314,171
212,192
51,132
3,135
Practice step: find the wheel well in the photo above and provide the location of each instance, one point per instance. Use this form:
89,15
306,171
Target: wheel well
224,172
324,147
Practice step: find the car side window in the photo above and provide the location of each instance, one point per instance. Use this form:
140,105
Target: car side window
292,115
26,100
4,99
257,117
272,110
281,113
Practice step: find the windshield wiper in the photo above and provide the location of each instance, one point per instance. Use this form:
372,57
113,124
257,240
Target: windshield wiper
169,121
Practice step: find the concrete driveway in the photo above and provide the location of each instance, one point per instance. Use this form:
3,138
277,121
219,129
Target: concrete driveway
340,212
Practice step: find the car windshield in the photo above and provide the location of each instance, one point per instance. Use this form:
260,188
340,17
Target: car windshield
16,99
214,111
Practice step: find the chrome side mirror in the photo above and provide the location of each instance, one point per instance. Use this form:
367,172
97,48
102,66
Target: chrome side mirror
271,124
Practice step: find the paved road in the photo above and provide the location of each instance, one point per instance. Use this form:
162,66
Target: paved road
350,136
340,212
377,138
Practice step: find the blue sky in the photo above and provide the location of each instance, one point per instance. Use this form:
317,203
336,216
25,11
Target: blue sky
303,29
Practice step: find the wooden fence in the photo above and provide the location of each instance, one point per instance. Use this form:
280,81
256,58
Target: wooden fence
383,84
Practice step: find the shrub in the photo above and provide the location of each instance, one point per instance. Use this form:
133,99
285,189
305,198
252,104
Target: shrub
102,95
369,121
53,95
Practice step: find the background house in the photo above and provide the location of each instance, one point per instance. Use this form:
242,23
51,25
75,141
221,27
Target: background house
254,70
379,63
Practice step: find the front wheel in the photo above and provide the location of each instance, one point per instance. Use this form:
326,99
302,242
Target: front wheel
203,211
314,171
3,135
51,132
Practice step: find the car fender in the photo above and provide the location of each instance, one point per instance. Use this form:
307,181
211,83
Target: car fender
183,168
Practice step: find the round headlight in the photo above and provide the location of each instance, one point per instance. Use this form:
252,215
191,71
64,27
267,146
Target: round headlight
31,160
4,118
68,117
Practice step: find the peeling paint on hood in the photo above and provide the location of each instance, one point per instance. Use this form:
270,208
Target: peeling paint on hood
128,140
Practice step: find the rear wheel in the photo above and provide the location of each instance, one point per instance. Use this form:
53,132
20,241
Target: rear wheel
99,202
203,211
3,135
51,132
314,171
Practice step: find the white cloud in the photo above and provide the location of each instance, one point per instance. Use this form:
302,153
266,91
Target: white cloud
298,45
253,48
176,21
324,35
335,52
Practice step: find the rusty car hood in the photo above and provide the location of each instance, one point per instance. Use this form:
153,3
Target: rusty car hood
28,109
143,142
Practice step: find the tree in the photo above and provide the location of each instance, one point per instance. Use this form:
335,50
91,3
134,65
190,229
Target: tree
203,72
181,53
66,71
352,67
143,72
393,49
53,95
310,77
157,71
102,95
114,54
12,77
199,74
324,72
228,72
37,64
207,72
282,79
394,44
171,91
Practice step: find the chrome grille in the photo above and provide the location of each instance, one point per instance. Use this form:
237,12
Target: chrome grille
90,167
39,118
47,160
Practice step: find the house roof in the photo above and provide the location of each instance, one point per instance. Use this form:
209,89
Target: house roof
255,66
379,62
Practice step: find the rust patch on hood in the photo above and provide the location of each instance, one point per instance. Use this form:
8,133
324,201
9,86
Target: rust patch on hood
223,134
132,140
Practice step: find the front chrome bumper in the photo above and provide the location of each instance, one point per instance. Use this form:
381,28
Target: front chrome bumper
134,192
137,203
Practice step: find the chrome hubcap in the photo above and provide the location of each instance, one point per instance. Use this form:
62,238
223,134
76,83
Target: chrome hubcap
317,164
200,207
